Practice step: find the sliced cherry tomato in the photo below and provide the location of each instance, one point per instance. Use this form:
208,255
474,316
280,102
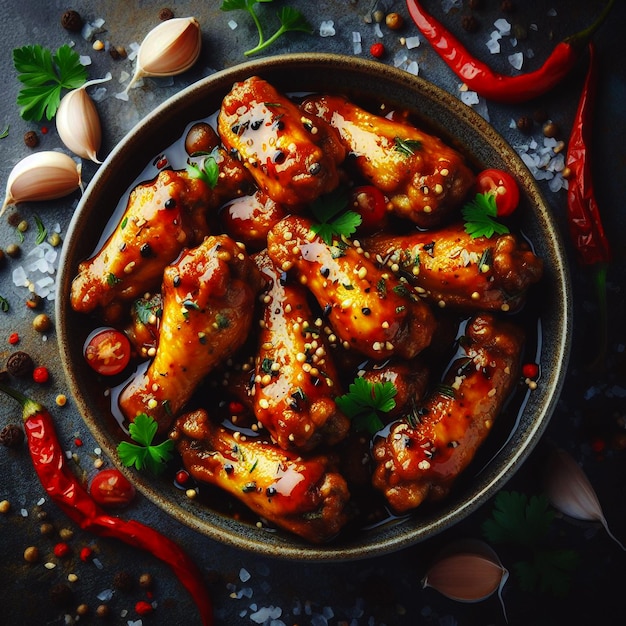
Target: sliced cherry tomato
503,186
370,203
107,351
110,488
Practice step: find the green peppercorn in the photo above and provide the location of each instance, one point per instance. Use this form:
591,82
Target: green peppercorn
22,226
13,250
54,240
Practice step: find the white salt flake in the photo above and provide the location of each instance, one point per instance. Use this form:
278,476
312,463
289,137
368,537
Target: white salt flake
413,68
469,98
493,44
327,28
412,42
232,24
357,47
124,76
99,94
23,512
244,575
516,60
551,12
377,31
19,277
266,613
105,595
122,95
84,59
400,59
503,26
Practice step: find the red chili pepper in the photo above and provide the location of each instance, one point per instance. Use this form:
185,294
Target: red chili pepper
585,223
64,488
479,77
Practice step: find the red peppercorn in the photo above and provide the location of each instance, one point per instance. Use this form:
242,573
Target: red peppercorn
14,338
143,608
44,130
41,374
86,553
61,549
377,50
235,408
78,442
182,477
530,370
598,445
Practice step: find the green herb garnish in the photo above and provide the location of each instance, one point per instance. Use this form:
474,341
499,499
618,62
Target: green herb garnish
4,305
42,233
44,75
408,147
479,215
290,20
153,457
4,133
332,221
207,170
365,401
525,522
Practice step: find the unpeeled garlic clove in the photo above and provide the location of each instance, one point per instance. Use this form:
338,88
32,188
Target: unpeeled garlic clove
570,491
40,176
78,122
170,48
467,571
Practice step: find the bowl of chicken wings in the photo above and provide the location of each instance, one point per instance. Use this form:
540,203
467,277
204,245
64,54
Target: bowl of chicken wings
290,276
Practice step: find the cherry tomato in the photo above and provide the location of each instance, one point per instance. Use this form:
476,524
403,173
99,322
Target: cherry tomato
110,488
370,203
107,351
503,186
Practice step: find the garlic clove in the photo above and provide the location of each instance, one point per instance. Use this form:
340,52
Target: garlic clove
78,122
570,491
170,48
467,571
40,176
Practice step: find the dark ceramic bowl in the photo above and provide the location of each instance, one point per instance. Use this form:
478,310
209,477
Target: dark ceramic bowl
444,115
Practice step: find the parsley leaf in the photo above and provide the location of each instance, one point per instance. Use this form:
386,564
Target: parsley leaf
142,430
290,20
365,401
207,170
327,210
479,215
44,75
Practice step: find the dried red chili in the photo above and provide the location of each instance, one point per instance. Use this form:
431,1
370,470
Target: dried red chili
585,223
479,77
64,488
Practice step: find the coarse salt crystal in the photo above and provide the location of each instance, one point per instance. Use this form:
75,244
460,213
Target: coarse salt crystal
469,97
400,58
122,95
503,26
99,94
516,60
232,24
23,512
357,47
377,31
244,575
493,44
412,42
413,68
327,28
84,59
551,12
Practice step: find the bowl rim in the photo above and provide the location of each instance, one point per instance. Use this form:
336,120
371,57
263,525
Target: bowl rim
231,532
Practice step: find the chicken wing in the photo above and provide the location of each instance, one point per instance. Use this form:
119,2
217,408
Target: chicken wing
296,381
293,157
421,457
304,495
423,178
368,310
450,268
208,308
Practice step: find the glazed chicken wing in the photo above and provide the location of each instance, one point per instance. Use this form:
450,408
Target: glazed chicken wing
369,311
453,269
423,178
208,308
296,381
305,496
293,157
421,457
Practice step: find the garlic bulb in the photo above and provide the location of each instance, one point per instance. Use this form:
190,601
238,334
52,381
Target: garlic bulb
78,123
467,571
43,175
170,48
570,491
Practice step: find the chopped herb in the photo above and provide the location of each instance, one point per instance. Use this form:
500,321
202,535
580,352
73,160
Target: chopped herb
153,457
4,305
266,365
113,280
327,210
290,20
381,287
124,222
4,133
408,147
365,401
222,321
519,520
402,290
145,309
446,390
44,75
479,215
207,170
42,233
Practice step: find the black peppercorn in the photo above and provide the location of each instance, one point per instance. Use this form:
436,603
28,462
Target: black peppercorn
11,436
20,364
31,139
72,21
123,581
166,14
525,124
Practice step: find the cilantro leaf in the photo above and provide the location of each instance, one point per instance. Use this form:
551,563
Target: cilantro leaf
365,401
549,571
332,222
479,215
44,76
153,457
207,170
